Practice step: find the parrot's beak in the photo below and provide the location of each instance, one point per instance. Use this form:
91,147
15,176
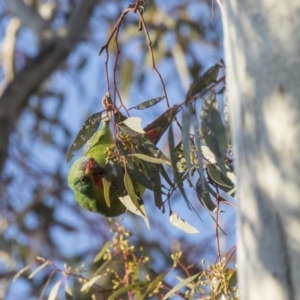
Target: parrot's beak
92,167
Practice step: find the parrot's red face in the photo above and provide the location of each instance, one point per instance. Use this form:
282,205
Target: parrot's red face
97,172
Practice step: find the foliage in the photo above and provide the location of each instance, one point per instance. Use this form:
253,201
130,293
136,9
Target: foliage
121,269
37,206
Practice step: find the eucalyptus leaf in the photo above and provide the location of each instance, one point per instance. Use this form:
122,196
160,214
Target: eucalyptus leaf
140,210
165,175
141,178
181,164
149,148
208,154
203,82
153,284
177,176
54,290
214,131
180,285
86,131
42,266
203,195
216,176
21,272
231,276
186,118
152,159
154,177
134,123
157,128
124,289
149,103
102,251
131,191
199,150
90,283
106,190
182,224
68,292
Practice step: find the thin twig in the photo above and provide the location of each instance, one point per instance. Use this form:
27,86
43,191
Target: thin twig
152,58
120,20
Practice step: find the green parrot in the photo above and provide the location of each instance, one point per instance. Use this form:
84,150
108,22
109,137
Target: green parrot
86,177
87,172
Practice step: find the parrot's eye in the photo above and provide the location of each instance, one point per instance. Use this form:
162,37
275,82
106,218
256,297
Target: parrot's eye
83,179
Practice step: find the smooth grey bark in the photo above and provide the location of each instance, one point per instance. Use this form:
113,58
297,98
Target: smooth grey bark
262,51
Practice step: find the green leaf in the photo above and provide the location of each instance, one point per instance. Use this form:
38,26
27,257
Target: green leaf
165,175
153,284
180,165
134,123
198,147
141,178
86,131
149,103
231,276
157,128
140,211
182,224
102,251
216,176
106,190
151,159
152,150
127,288
208,154
135,137
42,266
203,195
174,162
68,292
214,131
180,285
151,171
203,82
157,191
54,290
131,201
136,278
186,138
20,273
89,283
131,191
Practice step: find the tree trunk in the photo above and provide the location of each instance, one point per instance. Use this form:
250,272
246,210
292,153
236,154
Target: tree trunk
262,50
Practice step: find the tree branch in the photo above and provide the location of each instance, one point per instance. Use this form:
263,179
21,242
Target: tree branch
29,17
9,42
17,92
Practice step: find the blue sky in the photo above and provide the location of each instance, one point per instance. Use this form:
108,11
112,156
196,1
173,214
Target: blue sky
83,91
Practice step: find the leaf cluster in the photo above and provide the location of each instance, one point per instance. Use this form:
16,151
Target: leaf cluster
121,270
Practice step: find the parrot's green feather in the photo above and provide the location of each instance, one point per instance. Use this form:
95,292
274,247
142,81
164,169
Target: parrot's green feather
87,193
101,141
